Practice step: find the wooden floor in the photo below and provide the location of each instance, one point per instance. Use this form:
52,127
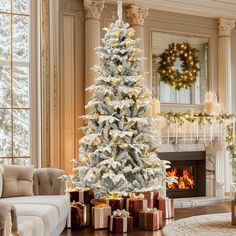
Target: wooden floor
104,232
179,213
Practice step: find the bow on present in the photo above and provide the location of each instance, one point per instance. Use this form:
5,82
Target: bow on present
114,195
82,213
120,213
77,204
151,210
140,196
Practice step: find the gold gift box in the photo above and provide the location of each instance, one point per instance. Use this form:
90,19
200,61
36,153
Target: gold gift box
100,215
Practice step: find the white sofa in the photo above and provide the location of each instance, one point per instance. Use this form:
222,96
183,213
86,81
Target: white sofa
45,213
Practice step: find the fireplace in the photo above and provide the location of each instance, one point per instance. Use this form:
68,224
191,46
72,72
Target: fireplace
189,167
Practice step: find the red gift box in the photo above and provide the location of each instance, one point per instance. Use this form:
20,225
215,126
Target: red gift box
166,205
151,196
134,206
150,219
125,197
115,203
120,224
80,215
81,195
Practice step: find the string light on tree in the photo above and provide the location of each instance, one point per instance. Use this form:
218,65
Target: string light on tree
122,150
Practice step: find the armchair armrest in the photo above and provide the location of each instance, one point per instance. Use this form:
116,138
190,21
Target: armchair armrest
8,214
46,181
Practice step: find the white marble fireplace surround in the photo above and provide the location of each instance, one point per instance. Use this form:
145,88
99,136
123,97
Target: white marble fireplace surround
218,165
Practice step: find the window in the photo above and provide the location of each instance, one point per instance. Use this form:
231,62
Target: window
15,81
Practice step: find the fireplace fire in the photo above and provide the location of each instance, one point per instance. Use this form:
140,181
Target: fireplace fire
184,177
189,168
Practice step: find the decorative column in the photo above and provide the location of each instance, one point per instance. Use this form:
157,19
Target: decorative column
136,17
225,96
93,10
224,63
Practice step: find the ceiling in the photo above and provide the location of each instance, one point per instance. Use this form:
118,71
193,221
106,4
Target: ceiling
208,8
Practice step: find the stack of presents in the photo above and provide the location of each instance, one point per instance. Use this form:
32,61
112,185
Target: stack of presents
119,213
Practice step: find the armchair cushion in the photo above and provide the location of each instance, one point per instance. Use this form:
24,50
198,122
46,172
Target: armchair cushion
17,181
46,181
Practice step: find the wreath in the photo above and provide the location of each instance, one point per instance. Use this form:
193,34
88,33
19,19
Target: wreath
168,72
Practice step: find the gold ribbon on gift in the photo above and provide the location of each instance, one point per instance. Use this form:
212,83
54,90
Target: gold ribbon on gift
78,206
120,213
101,205
115,195
133,195
151,210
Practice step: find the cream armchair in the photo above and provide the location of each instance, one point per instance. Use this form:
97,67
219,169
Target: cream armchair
43,214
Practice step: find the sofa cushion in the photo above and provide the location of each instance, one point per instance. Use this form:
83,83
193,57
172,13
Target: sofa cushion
60,202
31,225
46,181
17,181
48,214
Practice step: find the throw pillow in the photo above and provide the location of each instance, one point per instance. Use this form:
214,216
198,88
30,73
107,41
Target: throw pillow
17,181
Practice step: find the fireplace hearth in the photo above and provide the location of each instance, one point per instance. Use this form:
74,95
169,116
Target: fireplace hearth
189,167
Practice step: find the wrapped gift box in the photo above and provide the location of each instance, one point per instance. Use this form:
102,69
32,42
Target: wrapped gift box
166,205
120,222
100,215
151,219
134,206
125,197
80,215
81,195
115,203
151,197
233,209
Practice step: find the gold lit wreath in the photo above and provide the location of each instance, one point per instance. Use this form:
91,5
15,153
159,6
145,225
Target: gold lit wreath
172,76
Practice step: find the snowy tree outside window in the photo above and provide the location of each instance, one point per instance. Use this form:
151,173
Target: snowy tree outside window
15,81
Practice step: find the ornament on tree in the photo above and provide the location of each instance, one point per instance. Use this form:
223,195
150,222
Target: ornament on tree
120,149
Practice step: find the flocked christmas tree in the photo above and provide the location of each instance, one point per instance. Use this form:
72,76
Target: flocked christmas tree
118,151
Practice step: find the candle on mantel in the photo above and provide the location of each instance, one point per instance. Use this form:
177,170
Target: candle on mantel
211,106
156,106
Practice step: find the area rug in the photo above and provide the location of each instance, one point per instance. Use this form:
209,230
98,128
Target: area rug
203,225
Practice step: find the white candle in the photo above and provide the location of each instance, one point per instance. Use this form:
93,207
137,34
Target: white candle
184,131
168,134
233,128
191,132
156,107
176,132
197,129
217,108
204,134
209,107
211,132
210,96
